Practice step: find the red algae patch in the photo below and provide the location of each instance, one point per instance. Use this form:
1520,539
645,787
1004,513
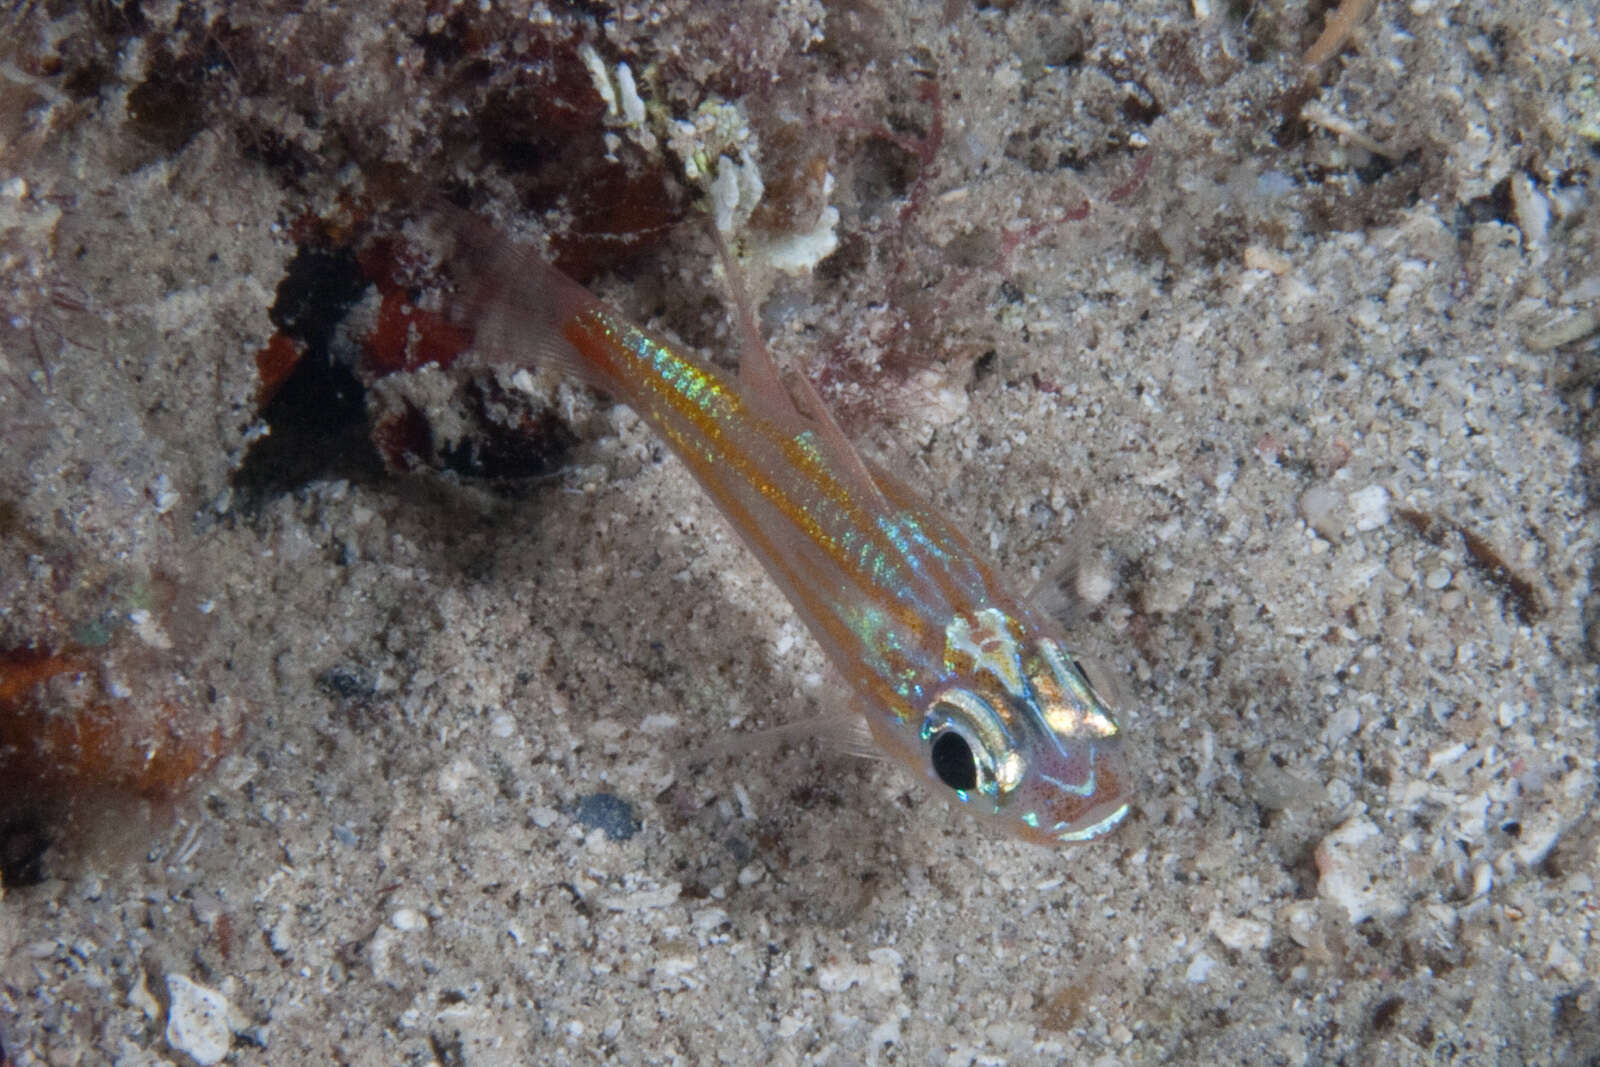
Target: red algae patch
121,698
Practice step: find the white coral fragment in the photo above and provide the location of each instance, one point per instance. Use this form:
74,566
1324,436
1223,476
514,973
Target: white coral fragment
1346,862
628,95
600,76
198,1021
735,192
799,253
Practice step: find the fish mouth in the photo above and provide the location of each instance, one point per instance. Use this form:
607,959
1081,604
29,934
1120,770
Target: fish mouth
1096,823
1102,800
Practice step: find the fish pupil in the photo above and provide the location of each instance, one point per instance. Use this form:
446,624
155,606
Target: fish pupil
953,762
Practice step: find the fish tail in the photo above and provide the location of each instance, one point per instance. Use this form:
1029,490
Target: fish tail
517,305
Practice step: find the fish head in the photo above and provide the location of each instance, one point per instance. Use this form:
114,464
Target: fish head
1021,736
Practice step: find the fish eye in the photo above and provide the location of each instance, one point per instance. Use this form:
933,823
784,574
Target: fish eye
968,747
953,761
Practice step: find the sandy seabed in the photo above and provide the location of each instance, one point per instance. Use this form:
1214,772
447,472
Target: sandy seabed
1296,369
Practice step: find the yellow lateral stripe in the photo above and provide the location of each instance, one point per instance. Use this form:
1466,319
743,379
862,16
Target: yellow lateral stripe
596,339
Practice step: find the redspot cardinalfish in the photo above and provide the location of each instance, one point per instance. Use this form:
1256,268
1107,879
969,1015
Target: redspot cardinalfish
955,677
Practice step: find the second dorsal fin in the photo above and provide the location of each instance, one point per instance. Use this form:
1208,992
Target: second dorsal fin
793,403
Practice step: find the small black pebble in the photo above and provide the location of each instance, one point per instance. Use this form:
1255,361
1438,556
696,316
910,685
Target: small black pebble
608,812
740,848
343,683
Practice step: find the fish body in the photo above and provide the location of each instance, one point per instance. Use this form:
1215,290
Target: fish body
957,679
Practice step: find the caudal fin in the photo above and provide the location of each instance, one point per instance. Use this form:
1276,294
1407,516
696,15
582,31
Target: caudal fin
516,304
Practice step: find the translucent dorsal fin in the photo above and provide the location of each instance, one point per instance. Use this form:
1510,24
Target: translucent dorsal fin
806,401
758,374
793,402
